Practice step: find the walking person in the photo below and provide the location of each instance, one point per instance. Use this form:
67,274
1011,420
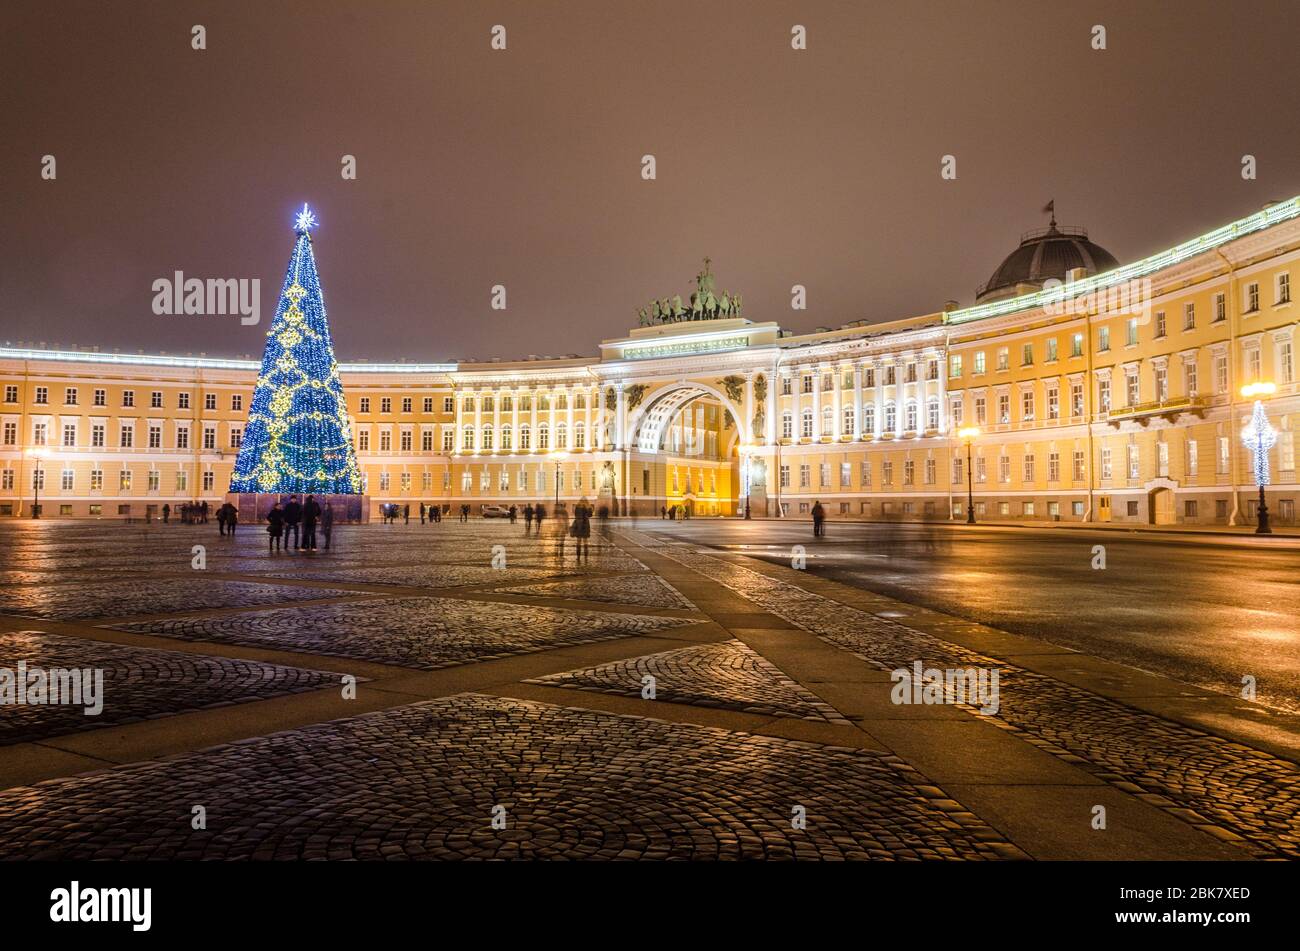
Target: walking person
310,516
528,518
514,514
167,513
327,523
232,518
406,513
581,530
421,513
203,510
274,527
819,520
292,516
221,520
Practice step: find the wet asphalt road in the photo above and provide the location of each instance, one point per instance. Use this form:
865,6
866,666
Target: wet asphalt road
1205,610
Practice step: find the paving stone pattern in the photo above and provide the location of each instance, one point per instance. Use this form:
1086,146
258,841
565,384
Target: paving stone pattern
1233,792
728,675
139,683
421,781
425,633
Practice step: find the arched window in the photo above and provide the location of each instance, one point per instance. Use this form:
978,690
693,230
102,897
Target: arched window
507,438
525,437
580,435
561,436
787,426
544,436
868,420
932,413
487,437
807,423
848,421
910,417
828,421
891,417
467,439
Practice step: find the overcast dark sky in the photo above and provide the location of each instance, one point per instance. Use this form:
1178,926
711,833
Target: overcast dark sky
522,167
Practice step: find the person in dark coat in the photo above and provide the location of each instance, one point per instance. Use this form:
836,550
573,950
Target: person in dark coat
819,520
514,514
292,516
581,528
274,527
232,517
421,513
528,518
167,513
310,516
406,513
221,520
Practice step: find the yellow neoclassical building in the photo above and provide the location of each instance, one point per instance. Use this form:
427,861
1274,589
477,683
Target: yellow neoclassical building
1100,391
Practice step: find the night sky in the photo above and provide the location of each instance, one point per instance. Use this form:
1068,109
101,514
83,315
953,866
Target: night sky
522,167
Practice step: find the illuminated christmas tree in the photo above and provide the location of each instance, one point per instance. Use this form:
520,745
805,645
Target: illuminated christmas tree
298,439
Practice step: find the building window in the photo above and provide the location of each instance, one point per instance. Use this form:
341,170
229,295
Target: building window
846,474
1160,323
1252,298
183,401
236,437
979,363
1103,338
847,422
1220,308
1053,467
787,426
1027,404
1107,464
1027,468
932,413
70,435
126,436
806,428
70,396
1004,468
406,441
365,405
363,441
1283,289
385,441
210,401
1027,355
1189,316
448,440
785,477
449,404
1076,399
11,393
1077,467
805,476
1132,331
954,366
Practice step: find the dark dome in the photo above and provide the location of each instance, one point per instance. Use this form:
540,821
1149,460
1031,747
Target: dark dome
1048,253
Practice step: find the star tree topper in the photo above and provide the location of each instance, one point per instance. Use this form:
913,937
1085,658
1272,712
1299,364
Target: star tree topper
305,221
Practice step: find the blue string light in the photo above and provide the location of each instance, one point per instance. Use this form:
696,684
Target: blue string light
298,439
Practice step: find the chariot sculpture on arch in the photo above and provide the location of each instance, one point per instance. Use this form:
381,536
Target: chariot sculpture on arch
704,303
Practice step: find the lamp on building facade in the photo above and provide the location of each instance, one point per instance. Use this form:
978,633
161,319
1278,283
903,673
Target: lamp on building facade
968,435
1260,437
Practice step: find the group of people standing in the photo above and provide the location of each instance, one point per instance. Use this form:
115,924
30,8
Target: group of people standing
190,513
578,527
300,520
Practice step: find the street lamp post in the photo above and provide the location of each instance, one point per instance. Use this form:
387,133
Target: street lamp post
1260,437
37,475
968,435
558,456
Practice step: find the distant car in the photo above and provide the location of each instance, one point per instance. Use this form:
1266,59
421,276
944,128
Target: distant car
494,511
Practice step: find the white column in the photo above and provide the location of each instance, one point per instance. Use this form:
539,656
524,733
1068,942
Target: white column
857,402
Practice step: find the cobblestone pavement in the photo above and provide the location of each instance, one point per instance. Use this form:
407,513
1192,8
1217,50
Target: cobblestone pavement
421,632
139,683
728,675
422,576
422,781
643,590
129,596
1234,792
